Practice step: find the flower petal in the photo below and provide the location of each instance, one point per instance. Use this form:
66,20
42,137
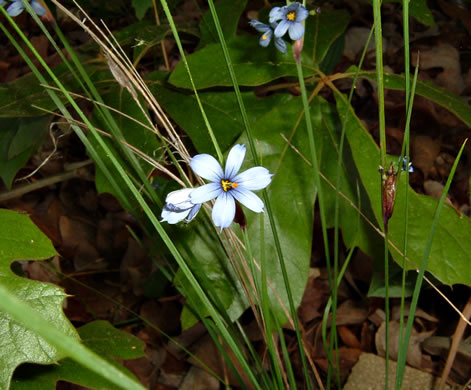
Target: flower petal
224,210
254,178
207,192
179,200
194,210
296,31
276,13
207,167
173,217
265,39
234,161
280,44
281,29
259,26
38,8
301,14
15,8
248,199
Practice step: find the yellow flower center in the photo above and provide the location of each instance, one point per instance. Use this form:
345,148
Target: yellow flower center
264,36
227,185
291,16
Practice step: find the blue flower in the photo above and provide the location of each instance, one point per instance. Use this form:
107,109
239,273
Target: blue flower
17,6
267,31
291,17
178,207
228,185
406,164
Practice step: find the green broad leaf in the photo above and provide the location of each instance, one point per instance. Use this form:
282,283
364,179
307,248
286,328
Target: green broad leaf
356,232
419,10
292,198
19,139
253,65
292,195
18,97
427,89
141,7
29,135
100,337
221,109
201,247
229,12
148,36
134,134
9,167
20,239
449,256
322,30
144,31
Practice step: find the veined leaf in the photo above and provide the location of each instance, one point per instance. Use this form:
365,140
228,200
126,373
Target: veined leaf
20,239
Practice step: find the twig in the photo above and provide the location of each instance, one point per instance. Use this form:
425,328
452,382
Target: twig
457,337
64,176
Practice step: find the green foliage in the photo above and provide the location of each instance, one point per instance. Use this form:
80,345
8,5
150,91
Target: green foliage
449,266
19,139
322,30
133,134
18,97
221,109
229,12
22,240
100,337
427,89
141,7
209,68
419,10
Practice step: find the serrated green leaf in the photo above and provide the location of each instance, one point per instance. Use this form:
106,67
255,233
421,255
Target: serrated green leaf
253,65
100,337
20,239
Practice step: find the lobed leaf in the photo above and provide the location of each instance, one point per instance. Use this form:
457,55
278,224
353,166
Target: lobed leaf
20,239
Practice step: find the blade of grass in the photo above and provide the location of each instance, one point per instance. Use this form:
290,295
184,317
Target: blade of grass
401,360
220,324
265,194
200,105
406,214
382,137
